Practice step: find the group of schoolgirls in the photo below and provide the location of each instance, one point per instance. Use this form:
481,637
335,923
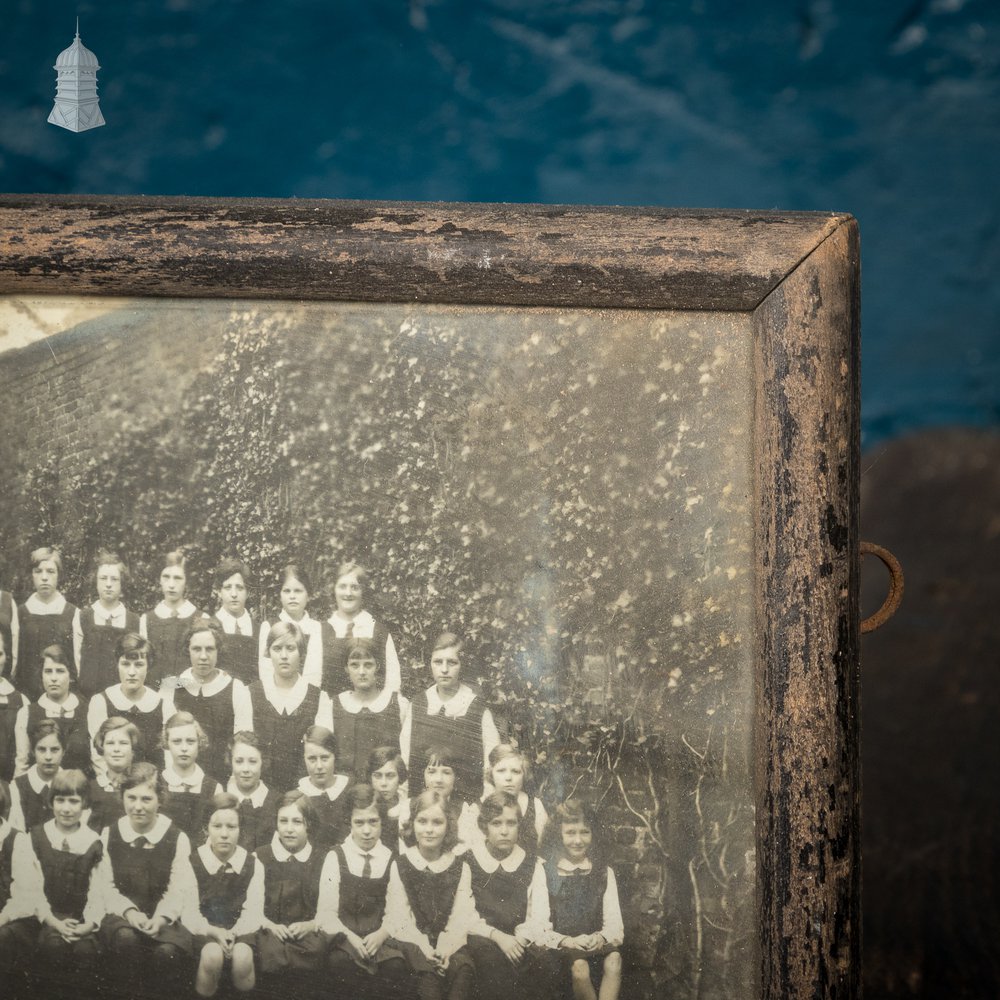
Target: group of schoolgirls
311,860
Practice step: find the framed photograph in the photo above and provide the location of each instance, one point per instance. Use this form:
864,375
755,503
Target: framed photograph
612,453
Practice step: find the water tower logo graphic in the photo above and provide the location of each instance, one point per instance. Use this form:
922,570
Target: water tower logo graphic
76,106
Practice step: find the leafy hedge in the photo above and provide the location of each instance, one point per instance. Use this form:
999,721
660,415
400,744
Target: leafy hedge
557,488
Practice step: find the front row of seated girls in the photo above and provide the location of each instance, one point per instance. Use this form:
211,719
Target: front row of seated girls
139,905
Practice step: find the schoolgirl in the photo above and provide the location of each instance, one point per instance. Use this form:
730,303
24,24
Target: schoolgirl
166,625
440,775
30,796
190,791
587,926
509,941
387,774
452,714
296,588
256,804
429,904
11,702
291,946
57,702
508,770
351,621
229,906
220,703
17,907
369,714
10,632
285,705
117,743
131,698
97,630
240,641
45,619
58,860
325,788
352,906
144,881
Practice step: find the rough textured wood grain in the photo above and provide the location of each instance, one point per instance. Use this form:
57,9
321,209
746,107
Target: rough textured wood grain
798,271
808,804
398,252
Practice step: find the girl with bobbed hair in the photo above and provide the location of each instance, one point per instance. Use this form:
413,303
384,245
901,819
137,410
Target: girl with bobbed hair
351,620
166,625
45,619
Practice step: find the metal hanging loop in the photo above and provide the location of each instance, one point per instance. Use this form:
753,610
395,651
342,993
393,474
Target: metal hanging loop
895,595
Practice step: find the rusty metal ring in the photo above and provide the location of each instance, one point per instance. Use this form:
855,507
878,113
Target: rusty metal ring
895,595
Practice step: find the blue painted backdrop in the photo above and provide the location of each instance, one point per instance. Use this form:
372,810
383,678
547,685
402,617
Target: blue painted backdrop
889,110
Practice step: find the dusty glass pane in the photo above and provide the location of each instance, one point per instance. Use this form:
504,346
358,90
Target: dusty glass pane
569,491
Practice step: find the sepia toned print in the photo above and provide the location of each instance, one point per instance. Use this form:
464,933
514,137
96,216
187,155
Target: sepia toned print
567,491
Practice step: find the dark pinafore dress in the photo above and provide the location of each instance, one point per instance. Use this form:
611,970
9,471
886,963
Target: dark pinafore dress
170,658
17,937
281,736
36,807
149,724
356,734
76,736
220,895
216,714
10,705
257,822
576,903
362,910
66,878
142,875
98,663
239,654
335,652
333,821
431,896
106,806
527,834
291,894
37,632
191,811
501,896
462,735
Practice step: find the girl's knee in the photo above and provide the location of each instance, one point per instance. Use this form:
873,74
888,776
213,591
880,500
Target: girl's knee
212,956
580,970
613,963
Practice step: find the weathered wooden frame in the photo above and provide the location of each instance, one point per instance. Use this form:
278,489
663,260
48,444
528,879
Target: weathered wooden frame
797,274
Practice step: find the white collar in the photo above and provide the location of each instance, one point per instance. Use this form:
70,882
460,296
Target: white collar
567,867
185,610
419,862
256,797
36,606
340,782
160,826
37,782
103,778
213,864
79,840
148,700
490,864
350,702
6,688
54,710
176,782
228,621
285,699
377,853
306,623
363,622
456,706
116,614
191,684
282,854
